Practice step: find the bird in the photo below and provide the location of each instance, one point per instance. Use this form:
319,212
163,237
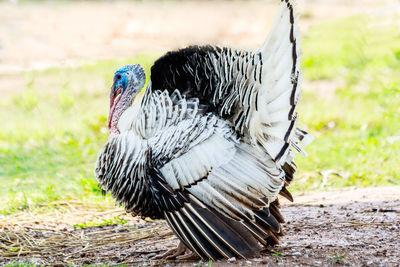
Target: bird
211,143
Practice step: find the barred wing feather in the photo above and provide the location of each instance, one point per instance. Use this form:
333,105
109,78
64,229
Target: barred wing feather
213,190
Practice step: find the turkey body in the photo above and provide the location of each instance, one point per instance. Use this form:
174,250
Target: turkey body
209,147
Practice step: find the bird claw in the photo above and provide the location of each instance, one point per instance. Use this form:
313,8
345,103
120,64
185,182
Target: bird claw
177,253
187,257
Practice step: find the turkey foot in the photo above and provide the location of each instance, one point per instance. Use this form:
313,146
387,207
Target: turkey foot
188,257
177,253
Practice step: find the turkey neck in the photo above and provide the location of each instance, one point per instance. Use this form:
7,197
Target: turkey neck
122,103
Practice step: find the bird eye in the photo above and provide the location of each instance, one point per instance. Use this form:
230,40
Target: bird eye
118,76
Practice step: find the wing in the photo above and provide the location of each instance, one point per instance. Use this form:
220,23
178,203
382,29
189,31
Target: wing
257,91
121,168
230,188
215,192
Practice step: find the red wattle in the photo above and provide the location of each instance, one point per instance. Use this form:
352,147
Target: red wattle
112,109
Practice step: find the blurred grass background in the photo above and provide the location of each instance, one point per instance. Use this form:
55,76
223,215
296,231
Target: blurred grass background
53,128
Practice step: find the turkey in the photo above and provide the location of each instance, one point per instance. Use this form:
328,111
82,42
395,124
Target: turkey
211,143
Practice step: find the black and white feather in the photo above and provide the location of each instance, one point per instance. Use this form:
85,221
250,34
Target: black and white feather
209,148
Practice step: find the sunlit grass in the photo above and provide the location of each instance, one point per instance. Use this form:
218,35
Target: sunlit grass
356,122
52,132
112,221
53,129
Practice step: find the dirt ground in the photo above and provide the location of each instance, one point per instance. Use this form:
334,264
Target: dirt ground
353,227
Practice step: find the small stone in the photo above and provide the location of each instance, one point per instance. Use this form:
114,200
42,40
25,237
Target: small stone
150,255
232,259
36,261
296,253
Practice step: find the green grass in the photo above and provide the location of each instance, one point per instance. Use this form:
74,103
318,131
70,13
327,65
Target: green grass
112,221
18,264
356,126
52,133
338,258
52,130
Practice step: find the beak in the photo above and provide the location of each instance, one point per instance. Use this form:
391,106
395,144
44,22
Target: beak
114,98
113,95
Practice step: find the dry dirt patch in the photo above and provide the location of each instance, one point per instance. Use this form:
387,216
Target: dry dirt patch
357,227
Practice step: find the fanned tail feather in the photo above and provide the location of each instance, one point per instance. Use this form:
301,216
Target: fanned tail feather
273,125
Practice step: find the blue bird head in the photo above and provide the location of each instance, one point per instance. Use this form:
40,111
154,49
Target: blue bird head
128,81
130,77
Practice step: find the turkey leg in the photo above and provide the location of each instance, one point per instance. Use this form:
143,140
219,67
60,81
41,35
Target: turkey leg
178,253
